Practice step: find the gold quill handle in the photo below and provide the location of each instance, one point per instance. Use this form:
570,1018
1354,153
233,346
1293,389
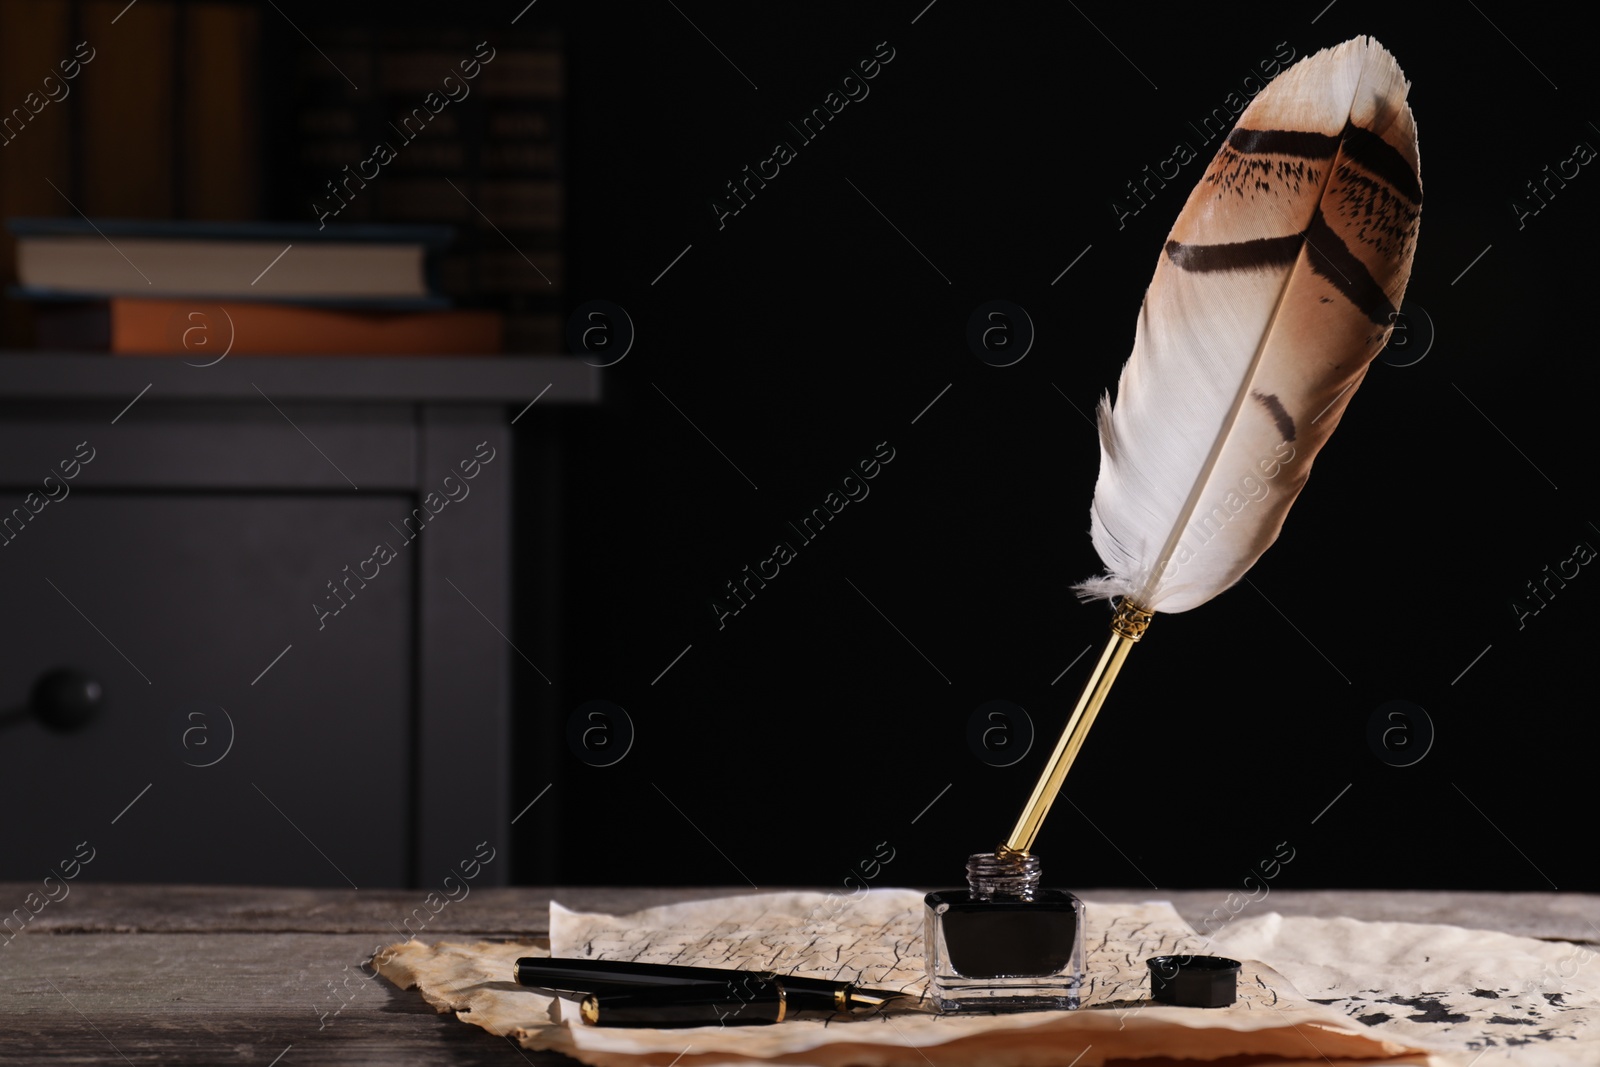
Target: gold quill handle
1126,628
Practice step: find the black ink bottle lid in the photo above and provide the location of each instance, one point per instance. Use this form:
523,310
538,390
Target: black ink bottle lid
1194,981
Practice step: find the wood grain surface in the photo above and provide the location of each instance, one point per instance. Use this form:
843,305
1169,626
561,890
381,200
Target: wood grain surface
195,975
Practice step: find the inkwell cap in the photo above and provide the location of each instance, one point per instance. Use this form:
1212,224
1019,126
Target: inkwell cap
1194,981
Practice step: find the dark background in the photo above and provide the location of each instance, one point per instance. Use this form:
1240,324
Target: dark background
828,722
807,330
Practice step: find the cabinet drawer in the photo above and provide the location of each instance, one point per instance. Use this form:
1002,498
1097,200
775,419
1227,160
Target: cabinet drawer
178,604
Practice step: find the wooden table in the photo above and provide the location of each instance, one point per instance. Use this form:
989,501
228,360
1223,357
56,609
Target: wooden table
180,975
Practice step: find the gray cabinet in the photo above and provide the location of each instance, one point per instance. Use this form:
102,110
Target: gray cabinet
291,582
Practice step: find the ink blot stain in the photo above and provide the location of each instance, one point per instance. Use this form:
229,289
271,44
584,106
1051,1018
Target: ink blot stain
1275,408
1374,1019
1542,1035
1429,1010
1486,993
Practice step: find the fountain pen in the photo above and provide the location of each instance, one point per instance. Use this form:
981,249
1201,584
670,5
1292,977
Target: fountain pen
620,993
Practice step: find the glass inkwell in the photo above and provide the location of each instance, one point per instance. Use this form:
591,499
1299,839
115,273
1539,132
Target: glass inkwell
1005,943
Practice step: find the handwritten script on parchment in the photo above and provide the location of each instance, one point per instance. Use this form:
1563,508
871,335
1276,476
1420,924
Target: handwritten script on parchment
874,942
877,941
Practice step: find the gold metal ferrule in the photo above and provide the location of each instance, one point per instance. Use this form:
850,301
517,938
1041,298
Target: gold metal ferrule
1131,620
1127,627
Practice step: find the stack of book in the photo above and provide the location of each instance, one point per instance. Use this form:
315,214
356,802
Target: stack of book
489,162
138,287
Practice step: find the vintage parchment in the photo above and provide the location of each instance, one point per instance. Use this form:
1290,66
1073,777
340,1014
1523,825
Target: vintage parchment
1490,999
876,939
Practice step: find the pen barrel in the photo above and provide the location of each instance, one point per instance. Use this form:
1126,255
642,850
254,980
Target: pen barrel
744,1001
590,975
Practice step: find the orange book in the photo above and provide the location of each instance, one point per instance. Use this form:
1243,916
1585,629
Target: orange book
199,329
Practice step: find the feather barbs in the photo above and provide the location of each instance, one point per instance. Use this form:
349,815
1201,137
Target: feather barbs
1275,289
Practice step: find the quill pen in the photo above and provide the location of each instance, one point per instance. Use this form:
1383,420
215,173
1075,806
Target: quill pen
1277,286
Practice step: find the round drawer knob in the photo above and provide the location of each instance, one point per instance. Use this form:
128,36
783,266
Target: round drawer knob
65,699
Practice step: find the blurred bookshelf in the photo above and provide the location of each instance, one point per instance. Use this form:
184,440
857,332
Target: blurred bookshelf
254,111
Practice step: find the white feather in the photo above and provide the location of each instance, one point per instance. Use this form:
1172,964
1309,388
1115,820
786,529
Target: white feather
1240,372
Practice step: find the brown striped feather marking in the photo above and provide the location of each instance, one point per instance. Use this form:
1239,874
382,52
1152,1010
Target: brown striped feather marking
1276,288
1375,193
